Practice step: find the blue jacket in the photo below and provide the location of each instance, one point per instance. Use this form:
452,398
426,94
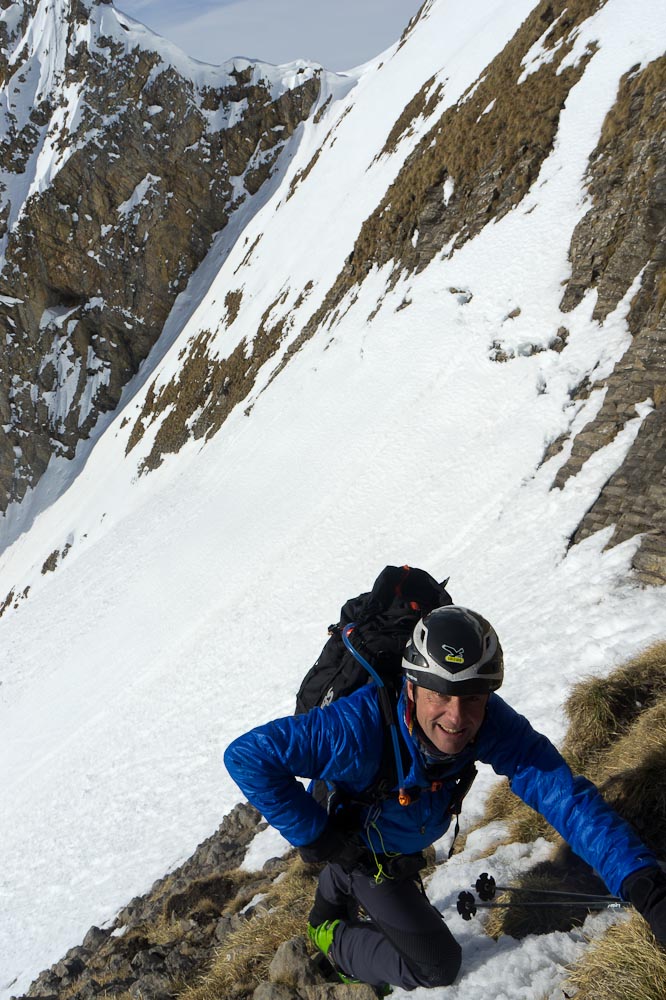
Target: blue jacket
343,743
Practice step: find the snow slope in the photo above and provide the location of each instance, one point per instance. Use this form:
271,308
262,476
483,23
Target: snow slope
192,599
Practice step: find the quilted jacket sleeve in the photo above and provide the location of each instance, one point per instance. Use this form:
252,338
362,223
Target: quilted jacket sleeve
340,743
540,776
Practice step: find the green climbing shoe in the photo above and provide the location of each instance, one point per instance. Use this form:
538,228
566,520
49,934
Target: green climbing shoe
322,937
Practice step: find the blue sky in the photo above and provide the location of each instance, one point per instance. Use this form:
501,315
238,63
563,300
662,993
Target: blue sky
338,34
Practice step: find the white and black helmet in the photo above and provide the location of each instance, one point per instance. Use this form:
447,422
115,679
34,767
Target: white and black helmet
454,651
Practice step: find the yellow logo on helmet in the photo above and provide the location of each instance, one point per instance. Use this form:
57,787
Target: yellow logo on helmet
453,655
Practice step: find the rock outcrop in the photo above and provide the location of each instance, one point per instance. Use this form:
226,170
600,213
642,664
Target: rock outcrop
118,168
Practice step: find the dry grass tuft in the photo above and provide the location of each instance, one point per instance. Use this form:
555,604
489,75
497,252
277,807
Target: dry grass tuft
422,105
232,303
525,824
243,960
198,400
632,776
604,708
102,980
209,894
625,964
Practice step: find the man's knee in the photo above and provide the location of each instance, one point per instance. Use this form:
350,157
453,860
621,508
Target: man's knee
443,972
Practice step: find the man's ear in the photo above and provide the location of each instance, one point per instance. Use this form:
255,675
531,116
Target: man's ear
410,690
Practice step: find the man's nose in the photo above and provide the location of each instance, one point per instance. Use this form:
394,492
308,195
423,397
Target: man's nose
455,709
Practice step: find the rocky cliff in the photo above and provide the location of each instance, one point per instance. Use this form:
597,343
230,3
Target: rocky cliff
119,163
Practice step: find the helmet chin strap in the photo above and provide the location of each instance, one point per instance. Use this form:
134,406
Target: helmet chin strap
410,714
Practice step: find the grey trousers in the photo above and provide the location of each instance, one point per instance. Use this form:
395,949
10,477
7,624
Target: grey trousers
405,943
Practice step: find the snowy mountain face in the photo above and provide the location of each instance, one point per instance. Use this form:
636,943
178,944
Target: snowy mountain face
268,329
120,160
480,158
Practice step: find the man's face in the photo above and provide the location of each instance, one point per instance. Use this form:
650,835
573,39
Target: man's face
449,721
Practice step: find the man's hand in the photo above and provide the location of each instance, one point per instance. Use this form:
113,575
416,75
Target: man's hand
646,890
344,849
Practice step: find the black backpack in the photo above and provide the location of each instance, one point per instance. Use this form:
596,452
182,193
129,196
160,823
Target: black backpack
383,620
366,646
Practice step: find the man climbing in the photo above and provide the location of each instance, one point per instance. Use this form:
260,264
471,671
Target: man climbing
448,715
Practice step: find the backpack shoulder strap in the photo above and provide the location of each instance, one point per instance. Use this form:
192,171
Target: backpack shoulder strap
388,709
464,781
388,778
